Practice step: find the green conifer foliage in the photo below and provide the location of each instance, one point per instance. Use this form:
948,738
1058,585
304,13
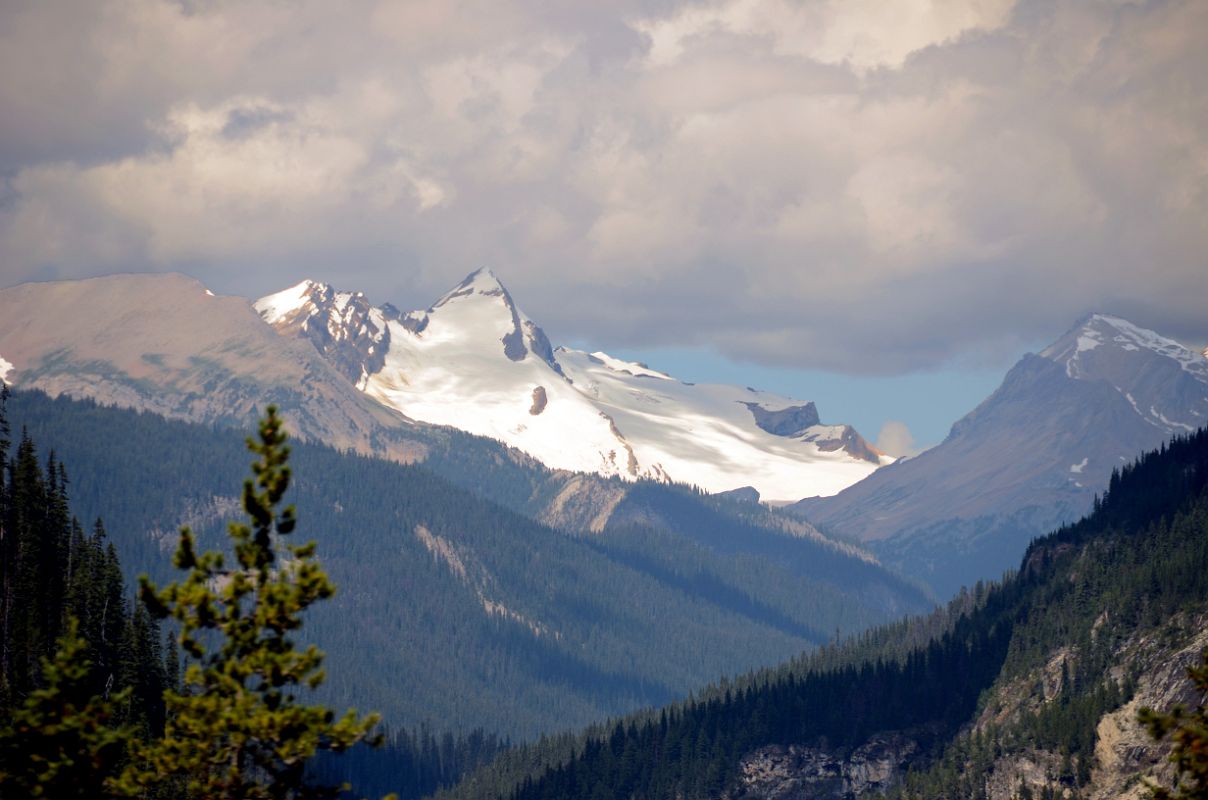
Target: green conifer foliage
62,741
1189,731
237,728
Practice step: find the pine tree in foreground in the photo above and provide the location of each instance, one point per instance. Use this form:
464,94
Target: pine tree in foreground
236,728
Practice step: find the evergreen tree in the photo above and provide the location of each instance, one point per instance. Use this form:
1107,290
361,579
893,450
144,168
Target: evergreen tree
62,741
1189,730
237,729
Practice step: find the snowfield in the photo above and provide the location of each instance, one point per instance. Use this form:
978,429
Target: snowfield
476,362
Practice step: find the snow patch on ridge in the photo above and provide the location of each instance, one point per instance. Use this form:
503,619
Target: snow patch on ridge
1129,333
629,367
5,368
276,307
1098,329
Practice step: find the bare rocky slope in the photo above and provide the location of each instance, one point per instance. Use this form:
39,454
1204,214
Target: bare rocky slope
165,344
1126,759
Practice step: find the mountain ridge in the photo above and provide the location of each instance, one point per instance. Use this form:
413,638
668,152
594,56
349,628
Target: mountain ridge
464,361
1030,457
458,607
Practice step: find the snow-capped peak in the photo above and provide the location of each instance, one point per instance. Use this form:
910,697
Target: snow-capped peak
1164,382
1117,334
473,360
479,283
275,308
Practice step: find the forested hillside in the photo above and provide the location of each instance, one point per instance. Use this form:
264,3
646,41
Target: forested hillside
85,666
456,611
1020,672
52,570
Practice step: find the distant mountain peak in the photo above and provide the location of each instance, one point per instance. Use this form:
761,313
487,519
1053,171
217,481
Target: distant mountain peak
1106,334
481,282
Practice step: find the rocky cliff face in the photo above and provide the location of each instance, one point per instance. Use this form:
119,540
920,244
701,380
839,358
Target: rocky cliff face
1126,759
808,773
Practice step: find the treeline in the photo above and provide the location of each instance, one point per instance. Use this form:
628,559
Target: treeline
51,572
694,751
1137,563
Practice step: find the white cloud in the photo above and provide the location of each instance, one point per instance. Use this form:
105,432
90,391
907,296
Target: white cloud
854,185
864,34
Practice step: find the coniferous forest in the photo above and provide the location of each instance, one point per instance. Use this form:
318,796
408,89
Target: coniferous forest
571,639
55,570
1139,562
84,667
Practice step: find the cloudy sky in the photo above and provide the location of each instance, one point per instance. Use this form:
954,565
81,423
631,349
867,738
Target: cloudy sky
895,197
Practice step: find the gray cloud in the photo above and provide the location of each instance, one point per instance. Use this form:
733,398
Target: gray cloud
853,185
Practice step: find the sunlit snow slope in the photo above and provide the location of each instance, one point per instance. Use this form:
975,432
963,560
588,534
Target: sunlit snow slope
709,434
475,362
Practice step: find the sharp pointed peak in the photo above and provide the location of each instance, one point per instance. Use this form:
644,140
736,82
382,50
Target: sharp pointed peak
482,281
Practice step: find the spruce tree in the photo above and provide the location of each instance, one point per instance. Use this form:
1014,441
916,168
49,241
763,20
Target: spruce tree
237,728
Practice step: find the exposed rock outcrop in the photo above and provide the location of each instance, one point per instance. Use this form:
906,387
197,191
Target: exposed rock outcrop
797,772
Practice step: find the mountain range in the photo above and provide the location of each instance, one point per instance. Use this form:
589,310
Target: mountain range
1025,688
474,361
410,386
530,538
358,376
456,605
